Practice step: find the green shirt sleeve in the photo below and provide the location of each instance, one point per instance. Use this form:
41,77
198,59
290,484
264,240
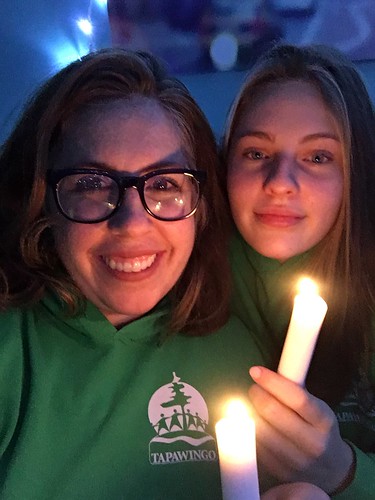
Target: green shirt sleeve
12,377
363,485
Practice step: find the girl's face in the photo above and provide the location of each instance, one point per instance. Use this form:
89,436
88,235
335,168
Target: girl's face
285,171
128,263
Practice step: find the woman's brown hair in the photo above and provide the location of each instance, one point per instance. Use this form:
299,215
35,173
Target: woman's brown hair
29,264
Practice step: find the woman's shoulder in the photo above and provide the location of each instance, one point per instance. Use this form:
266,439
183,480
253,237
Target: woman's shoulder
234,339
17,323
11,320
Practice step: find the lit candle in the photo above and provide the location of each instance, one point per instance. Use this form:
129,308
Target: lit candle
307,317
235,435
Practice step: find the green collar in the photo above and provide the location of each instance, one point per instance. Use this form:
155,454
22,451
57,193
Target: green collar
93,324
266,264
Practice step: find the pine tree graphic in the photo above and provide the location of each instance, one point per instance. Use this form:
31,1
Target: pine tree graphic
181,421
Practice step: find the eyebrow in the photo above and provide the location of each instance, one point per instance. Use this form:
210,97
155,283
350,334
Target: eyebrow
92,164
264,135
321,135
253,133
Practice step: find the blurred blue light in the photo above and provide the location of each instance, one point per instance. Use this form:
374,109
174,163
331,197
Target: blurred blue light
224,51
85,26
65,53
101,3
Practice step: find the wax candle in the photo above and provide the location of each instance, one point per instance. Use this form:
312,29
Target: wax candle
235,435
307,317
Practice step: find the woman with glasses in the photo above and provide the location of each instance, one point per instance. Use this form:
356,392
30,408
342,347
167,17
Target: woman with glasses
300,156
113,273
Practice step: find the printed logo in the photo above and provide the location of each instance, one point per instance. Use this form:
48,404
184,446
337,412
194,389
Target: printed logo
359,405
179,416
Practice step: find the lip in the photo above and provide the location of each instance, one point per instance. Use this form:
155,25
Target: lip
278,217
149,259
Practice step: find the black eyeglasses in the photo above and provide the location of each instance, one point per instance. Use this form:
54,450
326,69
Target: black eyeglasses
91,195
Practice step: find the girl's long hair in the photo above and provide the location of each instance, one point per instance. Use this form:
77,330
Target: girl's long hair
344,260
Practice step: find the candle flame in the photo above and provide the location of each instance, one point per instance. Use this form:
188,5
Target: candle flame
236,409
236,434
307,287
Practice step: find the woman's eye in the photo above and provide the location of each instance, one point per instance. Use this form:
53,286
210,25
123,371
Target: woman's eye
88,183
163,184
91,184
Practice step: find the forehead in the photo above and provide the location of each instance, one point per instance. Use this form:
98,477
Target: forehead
120,133
290,93
102,118
296,99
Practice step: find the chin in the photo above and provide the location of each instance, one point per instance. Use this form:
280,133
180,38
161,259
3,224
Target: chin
280,254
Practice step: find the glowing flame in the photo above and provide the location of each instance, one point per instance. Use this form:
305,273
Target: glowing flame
306,286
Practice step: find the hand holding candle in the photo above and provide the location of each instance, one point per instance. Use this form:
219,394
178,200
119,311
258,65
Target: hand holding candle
237,454
307,317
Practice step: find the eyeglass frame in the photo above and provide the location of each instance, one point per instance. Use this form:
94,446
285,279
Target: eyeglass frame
124,182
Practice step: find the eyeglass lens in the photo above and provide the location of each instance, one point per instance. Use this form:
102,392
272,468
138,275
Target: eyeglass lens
91,197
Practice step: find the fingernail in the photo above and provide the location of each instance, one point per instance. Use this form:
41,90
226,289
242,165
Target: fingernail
255,372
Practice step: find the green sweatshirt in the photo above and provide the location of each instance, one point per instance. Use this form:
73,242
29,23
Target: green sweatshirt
263,300
91,412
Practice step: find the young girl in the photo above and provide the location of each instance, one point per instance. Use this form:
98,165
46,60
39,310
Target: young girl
300,156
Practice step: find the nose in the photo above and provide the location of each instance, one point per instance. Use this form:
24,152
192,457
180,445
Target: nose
281,178
131,217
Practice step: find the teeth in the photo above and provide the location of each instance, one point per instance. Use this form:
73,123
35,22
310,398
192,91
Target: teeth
132,265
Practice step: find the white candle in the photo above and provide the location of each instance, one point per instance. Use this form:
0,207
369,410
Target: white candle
235,435
307,317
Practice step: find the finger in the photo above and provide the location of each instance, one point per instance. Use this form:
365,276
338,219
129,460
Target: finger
279,453
290,468
284,421
310,408
295,491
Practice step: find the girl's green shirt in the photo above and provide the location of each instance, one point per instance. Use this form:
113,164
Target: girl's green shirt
263,300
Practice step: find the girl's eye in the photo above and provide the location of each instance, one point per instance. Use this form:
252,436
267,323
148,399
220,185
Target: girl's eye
255,154
320,158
